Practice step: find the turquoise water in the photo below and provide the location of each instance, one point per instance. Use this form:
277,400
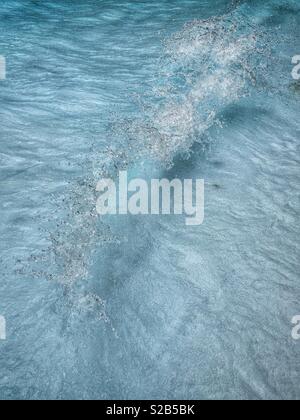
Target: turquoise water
145,307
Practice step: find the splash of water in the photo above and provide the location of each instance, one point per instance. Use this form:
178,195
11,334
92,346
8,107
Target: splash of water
207,66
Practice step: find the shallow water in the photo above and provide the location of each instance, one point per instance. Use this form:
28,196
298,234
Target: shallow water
144,307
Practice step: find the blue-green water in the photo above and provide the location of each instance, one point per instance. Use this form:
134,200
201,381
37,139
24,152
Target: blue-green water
145,307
